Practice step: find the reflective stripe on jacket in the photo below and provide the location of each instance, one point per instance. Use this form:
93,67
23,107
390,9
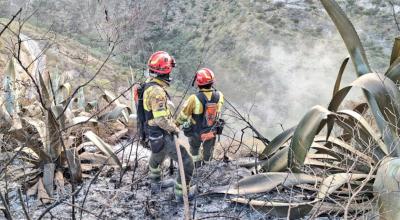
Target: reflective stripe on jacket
155,105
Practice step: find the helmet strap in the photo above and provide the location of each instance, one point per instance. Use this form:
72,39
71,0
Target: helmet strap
164,77
207,86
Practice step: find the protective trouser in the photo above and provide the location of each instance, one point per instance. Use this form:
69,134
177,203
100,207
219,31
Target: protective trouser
168,148
208,148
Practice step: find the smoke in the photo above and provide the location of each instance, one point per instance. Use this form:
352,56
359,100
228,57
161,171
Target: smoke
279,66
282,81
301,77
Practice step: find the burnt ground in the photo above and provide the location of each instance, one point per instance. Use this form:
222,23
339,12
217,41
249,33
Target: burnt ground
130,198
109,197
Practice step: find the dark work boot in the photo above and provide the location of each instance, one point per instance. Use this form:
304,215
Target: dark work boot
155,187
197,161
198,164
155,180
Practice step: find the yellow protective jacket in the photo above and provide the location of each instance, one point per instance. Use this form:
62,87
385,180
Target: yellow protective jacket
155,103
194,106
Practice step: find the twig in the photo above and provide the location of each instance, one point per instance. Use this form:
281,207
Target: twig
6,207
136,163
12,19
82,209
23,204
370,174
394,15
60,201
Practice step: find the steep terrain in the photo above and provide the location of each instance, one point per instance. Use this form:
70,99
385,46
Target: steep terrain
275,58
272,52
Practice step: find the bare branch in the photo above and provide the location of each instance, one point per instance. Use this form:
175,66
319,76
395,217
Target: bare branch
9,23
394,15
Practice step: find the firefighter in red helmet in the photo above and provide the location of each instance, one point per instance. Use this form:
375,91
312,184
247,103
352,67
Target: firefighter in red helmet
159,127
200,117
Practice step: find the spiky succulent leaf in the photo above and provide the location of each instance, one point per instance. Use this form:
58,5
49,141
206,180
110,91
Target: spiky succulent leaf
303,137
349,35
335,181
387,188
277,143
339,76
265,182
103,146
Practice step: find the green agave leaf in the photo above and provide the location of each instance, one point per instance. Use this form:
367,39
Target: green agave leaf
330,121
395,50
103,146
381,88
113,114
360,62
109,97
63,92
4,115
277,162
352,130
346,136
81,99
349,35
365,126
346,147
277,143
387,188
339,76
324,150
40,127
45,94
303,137
335,181
265,182
33,159
95,158
82,119
394,71
35,152
9,87
132,90
321,157
32,154
54,137
279,209
384,91
323,165
384,100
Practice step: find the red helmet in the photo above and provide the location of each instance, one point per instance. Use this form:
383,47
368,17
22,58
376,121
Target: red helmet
161,62
204,77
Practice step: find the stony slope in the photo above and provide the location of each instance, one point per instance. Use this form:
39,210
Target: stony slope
281,56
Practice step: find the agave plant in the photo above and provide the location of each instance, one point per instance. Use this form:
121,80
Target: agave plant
51,133
347,170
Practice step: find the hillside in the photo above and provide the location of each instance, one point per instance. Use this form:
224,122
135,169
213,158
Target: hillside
274,60
67,56
261,48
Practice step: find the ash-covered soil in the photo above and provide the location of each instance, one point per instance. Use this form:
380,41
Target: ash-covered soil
109,197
